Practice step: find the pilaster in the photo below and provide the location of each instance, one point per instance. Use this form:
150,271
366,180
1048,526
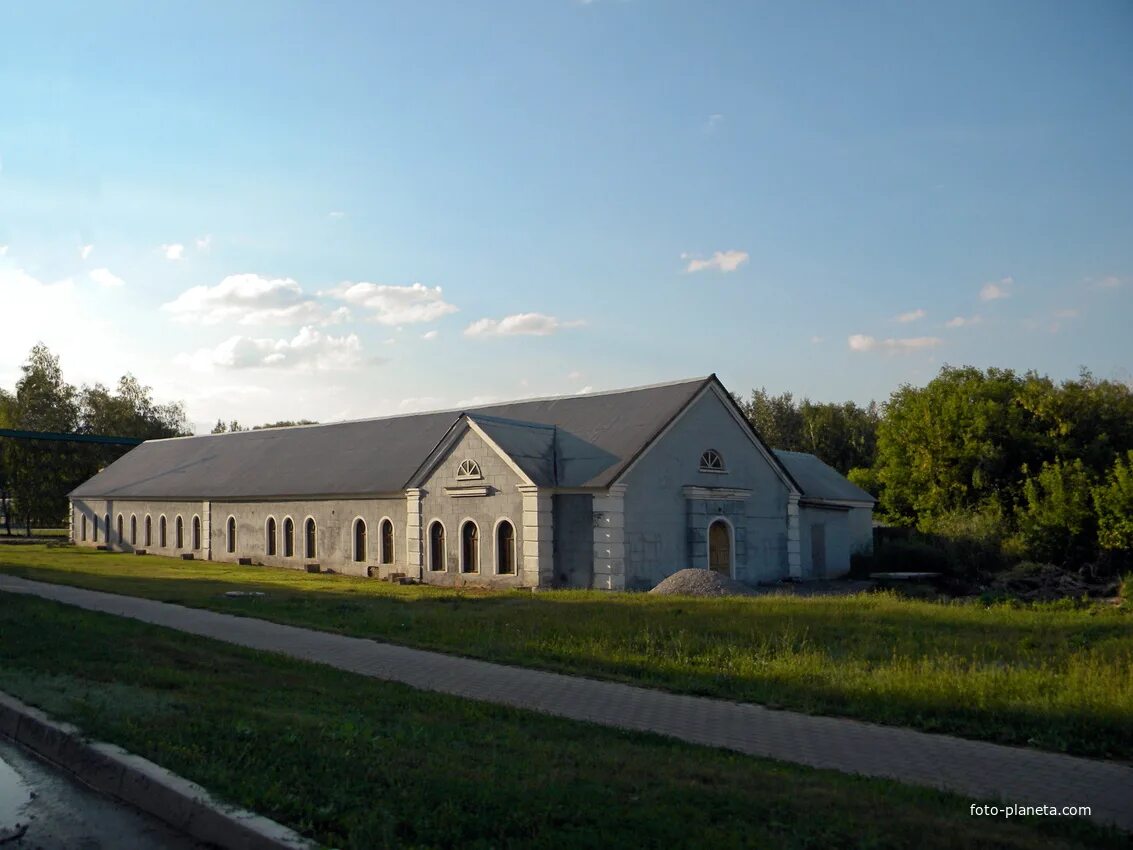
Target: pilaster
413,549
206,529
538,537
609,539
794,547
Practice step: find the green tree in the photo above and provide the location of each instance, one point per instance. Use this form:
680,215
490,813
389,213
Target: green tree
842,435
776,418
953,444
130,411
1057,521
1082,418
1113,503
40,472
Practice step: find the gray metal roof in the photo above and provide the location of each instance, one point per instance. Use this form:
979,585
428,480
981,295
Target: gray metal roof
594,436
820,481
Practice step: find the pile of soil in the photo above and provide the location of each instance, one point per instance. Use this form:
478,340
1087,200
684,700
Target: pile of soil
701,583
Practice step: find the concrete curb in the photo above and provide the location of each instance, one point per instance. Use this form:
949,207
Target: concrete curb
134,780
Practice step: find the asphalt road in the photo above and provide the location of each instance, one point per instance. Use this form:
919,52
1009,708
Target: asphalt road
61,814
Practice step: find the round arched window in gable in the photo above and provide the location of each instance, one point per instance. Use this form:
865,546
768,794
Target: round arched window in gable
469,470
712,461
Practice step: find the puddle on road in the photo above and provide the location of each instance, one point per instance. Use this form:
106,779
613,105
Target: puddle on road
13,796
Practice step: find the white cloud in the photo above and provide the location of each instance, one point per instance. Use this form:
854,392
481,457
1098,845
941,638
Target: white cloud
861,342
721,261
104,277
84,251
963,321
1111,282
519,324
3,250
574,376
203,243
395,305
72,332
429,335
815,340
336,215
250,299
714,121
309,350
911,316
995,290
586,389
175,251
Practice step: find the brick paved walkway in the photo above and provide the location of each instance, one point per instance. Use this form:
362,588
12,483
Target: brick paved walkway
982,771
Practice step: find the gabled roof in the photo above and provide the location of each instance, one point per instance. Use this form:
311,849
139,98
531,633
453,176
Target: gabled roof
820,481
594,436
530,446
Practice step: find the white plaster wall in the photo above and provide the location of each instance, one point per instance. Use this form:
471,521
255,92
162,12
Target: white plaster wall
99,508
334,530
837,541
334,520
860,530
504,502
656,524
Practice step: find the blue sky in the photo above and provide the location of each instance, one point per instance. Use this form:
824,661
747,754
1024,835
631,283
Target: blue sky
283,210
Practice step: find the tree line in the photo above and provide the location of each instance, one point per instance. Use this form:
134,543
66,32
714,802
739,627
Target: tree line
36,475
1016,464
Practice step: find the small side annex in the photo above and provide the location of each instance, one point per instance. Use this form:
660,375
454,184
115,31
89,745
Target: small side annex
612,490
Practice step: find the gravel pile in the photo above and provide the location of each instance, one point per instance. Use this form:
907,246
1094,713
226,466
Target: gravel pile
701,583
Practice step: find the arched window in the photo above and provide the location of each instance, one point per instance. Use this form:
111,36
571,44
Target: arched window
179,532
309,533
469,470
270,531
469,547
387,541
359,539
121,537
149,531
712,461
231,534
436,546
106,527
161,536
288,538
83,524
94,527
133,529
505,548
196,533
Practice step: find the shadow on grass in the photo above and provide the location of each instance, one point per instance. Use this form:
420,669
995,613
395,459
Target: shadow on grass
1047,678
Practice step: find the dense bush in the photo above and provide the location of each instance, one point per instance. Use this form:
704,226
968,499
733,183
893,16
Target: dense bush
1057,521
1113,502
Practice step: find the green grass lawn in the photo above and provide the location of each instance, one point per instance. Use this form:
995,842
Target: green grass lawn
1055,677
354,762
